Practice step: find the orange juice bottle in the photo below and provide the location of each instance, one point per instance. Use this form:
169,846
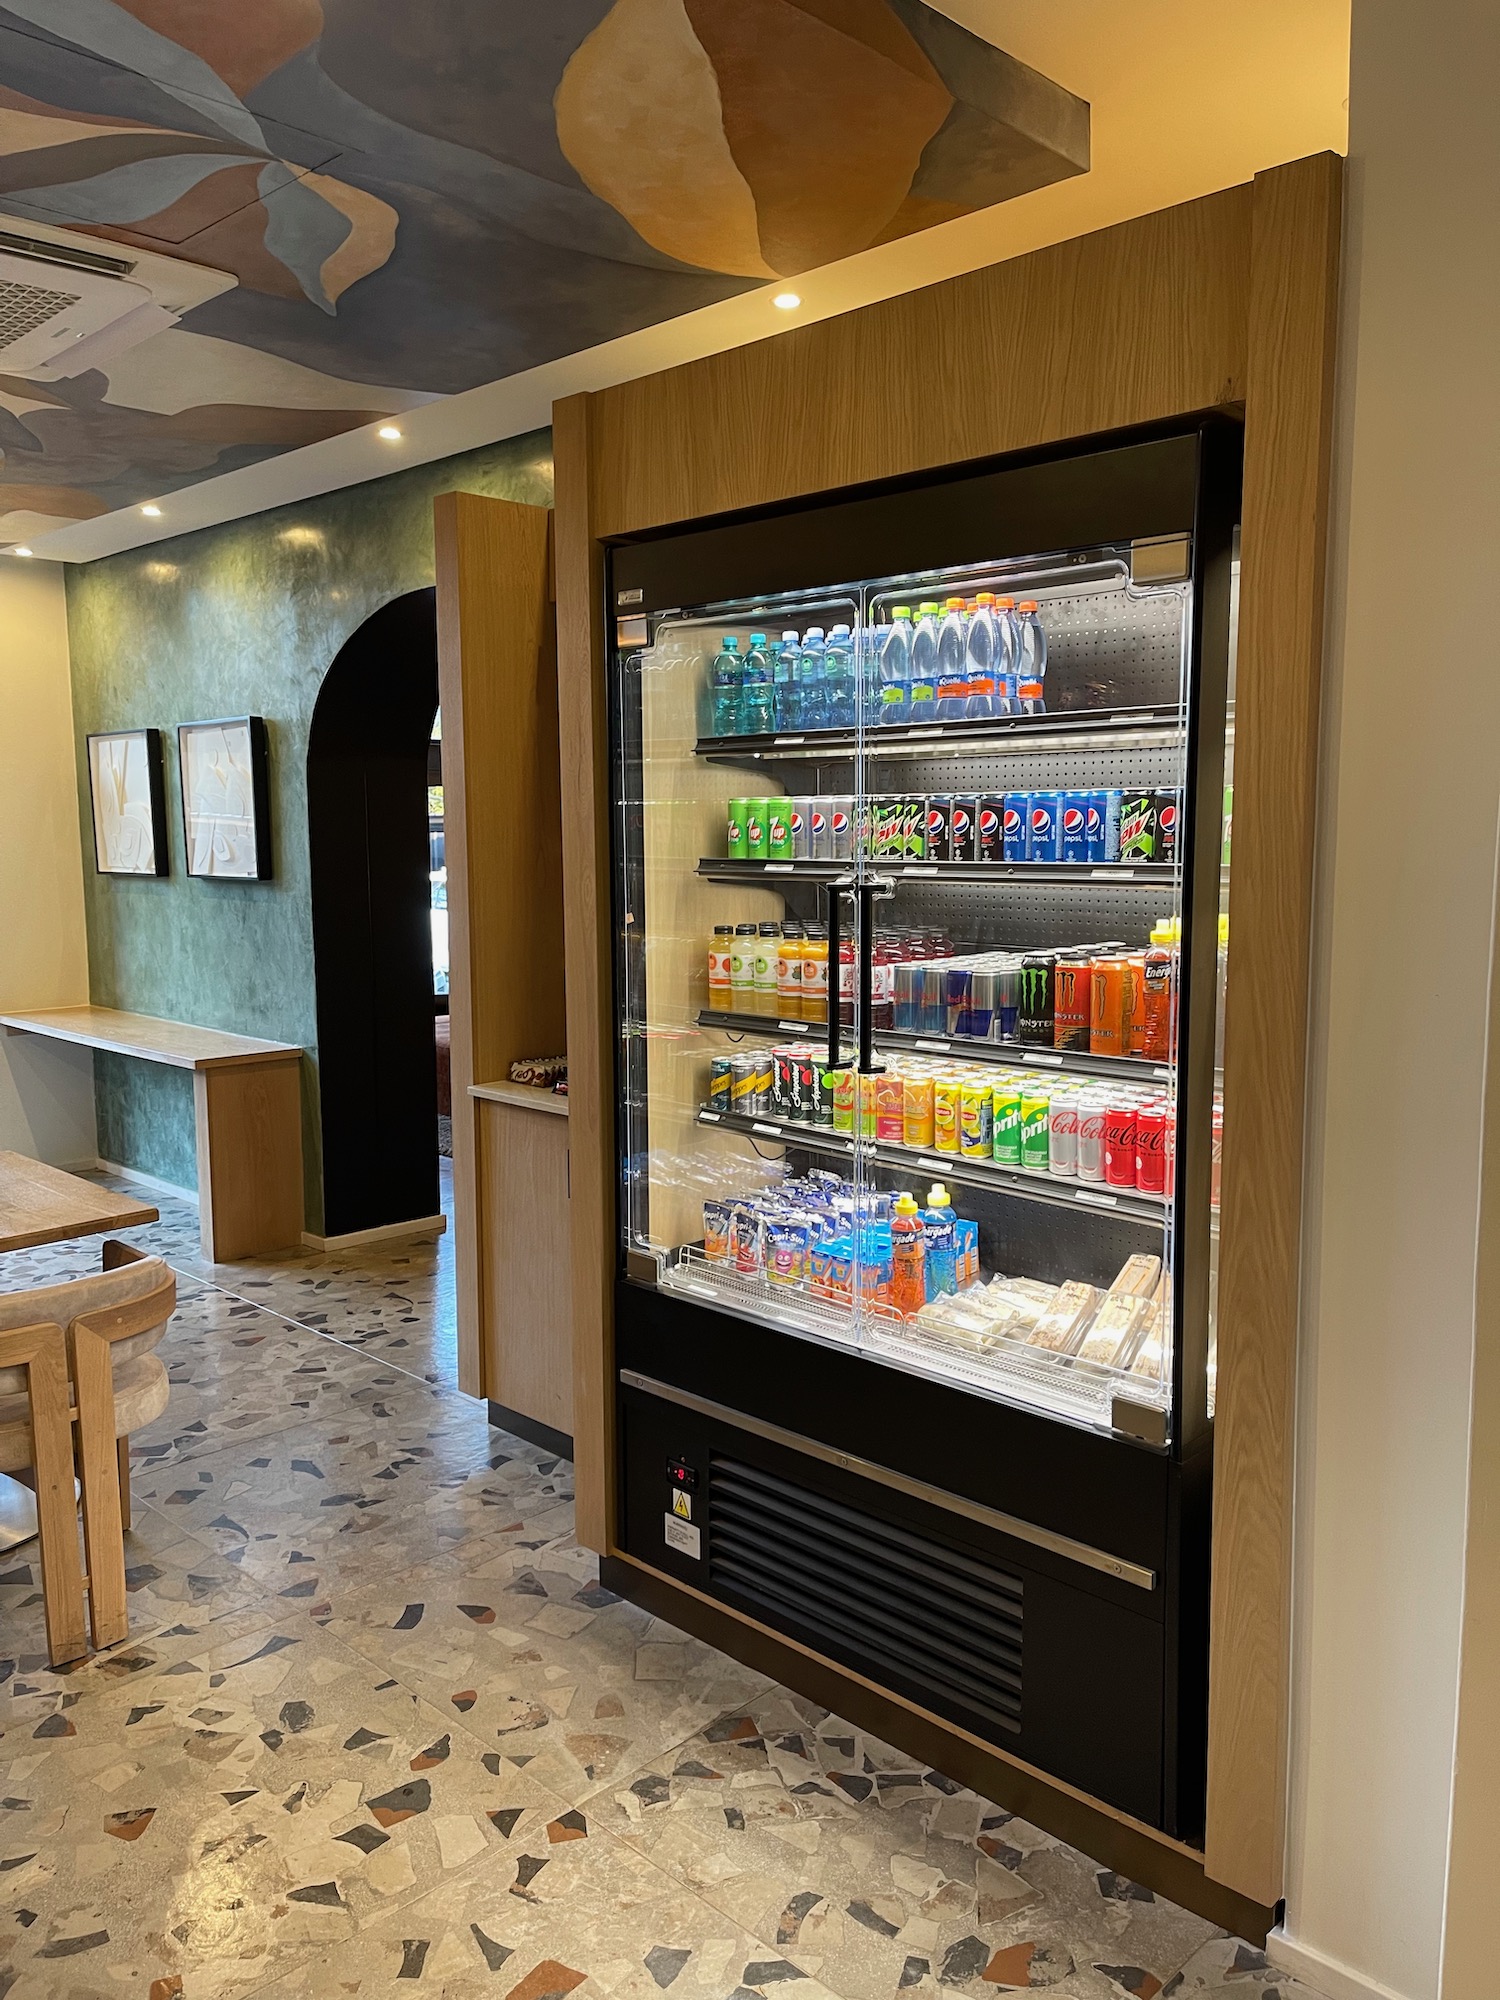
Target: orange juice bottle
815,976
789,974
720,953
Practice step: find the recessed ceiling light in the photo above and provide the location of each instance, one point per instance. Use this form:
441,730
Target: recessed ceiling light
390,433
787,301
151,511
20,552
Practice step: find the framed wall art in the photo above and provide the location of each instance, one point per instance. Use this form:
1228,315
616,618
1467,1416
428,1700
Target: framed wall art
128,797
226,798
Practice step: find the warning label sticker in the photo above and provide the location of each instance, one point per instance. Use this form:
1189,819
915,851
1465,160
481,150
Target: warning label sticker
686,1540
682,1503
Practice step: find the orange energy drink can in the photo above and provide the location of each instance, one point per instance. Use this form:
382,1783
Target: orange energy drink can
1071,1013
917,1122
890,1109
946,1093
1109,1016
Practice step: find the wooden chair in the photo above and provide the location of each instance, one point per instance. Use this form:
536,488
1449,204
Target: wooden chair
108,1324
38,1355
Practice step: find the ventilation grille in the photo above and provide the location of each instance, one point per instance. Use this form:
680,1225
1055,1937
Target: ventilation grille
23,308
874,1594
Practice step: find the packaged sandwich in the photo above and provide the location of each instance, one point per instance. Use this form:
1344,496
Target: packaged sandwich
1139,1276
1064,1320
1148,1356
1115,1329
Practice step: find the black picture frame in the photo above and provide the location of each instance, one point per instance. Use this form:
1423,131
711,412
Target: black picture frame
242,840
156,801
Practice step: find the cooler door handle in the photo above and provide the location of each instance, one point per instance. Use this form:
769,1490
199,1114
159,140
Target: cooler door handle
865,896
835,1054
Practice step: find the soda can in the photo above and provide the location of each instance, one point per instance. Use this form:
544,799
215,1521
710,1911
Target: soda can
976,1135
1091,1107
824,1082
841,829
843,1100
1138,828
757,830
765,1075
819,831
984,990
1044,827
1015,821
1036,1015
914,830
917,1111
1168,824
807,1087
946,1091
956,988
1109,1015
932,998
867,1107
906,1018
1006,1123
1119,1142
1071,1011
890,1109
783,1063
738,847
992,827
940,829
965,831
802,830
1062,1135
1103,827
1151,1147
779,829
1007,1003
744,1077
1036,1129
720,1082
1073,813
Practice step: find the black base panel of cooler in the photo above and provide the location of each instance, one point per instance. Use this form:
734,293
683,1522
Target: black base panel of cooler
532,1429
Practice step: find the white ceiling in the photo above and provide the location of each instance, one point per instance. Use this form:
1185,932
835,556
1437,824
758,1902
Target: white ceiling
1187,96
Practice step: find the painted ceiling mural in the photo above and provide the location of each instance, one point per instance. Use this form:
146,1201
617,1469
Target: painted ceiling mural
413,197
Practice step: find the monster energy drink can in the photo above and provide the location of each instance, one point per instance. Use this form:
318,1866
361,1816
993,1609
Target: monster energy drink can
1036,1007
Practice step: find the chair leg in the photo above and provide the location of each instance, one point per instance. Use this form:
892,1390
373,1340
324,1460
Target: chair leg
122,1455
99,1470
56,1513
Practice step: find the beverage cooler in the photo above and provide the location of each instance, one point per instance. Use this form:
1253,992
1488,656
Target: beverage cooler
920,846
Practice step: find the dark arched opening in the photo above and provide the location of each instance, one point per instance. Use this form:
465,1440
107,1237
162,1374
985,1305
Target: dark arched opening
372,939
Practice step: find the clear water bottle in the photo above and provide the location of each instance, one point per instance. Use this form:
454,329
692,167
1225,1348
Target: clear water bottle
895,668
1006,640
724,687
1031,658
757,693
784,681
838,678
812,696
924,664
980,641
953,664
871,644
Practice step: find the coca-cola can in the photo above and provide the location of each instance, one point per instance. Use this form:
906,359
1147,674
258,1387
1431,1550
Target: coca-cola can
1091,1136
1062,1136
1151,1148
1119,1143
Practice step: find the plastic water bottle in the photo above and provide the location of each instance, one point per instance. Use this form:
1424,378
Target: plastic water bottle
980,639
953,663
784,681
1031,658
812,695
937,1229
724,687
895,668
871,643
838,678
757,693
924,665
1005,656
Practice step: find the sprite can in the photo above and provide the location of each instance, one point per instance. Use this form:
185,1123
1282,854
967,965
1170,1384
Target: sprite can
1006,1128
1036,1116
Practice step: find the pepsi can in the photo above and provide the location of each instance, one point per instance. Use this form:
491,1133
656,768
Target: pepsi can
1044,827
991,827
1104,826
1073,813
940,829
819,829
964,834
1168,824
1015,820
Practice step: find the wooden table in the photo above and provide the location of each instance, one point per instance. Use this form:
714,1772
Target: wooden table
41,1204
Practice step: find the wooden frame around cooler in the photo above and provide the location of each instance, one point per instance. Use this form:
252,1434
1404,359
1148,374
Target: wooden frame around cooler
1229,301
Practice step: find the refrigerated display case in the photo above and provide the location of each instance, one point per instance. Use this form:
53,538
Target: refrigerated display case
919,843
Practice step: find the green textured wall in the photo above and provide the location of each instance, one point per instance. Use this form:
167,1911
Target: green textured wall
240,619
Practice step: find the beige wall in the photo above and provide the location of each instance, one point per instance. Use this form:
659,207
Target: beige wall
46,1092
1400,1016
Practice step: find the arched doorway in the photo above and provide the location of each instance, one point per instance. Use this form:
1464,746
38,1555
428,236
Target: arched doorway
367,756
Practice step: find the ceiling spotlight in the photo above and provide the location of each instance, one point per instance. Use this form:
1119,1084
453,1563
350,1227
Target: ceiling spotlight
390,433
787,301
151,511
21,552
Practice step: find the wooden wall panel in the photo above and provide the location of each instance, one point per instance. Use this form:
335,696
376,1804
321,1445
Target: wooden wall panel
528,1317
1288,433
497,677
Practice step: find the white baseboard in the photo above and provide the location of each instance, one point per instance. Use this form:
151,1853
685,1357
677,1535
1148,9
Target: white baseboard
1327,1976
150,1181
388,1232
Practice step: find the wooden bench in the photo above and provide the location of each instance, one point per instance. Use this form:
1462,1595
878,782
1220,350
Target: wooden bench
247,1095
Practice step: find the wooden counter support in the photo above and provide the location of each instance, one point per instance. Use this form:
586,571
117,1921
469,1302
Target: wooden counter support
248,1110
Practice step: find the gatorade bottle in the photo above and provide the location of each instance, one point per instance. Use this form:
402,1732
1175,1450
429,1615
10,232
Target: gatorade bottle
724,687
784,680
937,1224
908,1257
980,641
812,699
757,693
1160,983
953,663
1005,657
924,665
838,679
895,668
1031,658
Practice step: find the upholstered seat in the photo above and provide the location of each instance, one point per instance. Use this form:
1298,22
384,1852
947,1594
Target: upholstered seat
141,1390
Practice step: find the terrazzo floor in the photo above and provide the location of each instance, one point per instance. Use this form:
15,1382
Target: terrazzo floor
377,1729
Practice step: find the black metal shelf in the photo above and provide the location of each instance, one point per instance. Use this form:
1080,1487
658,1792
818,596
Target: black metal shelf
1040,874
1093,729
1008,1055
1126,1204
